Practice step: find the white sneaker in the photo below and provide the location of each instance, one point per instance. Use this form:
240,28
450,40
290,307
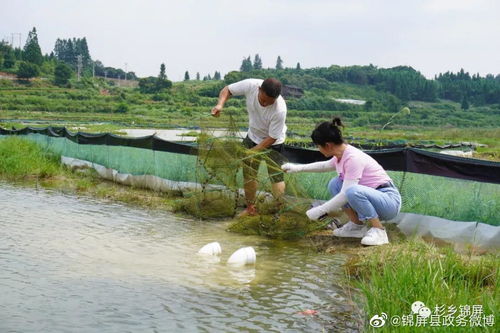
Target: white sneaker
351,229
375,236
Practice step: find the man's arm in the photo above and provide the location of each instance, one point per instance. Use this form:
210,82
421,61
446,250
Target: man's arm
224,95
266,143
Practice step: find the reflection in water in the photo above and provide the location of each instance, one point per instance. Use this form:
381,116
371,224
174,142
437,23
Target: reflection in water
78,264
242,275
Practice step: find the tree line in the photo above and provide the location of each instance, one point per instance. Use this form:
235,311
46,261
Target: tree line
62,62
404,82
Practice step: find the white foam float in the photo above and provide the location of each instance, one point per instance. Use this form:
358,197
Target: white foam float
242,257
212,249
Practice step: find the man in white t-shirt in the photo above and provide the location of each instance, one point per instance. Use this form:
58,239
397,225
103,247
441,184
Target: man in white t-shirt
266,130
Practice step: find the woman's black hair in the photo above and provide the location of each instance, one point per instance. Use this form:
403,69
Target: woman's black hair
328,131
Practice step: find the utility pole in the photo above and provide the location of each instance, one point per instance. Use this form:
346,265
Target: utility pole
79,65
12,39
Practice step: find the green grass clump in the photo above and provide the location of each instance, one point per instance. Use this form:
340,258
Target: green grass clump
277,221
394,276
206,205
21,158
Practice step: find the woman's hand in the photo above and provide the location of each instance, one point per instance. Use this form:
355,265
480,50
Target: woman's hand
316,213
291,168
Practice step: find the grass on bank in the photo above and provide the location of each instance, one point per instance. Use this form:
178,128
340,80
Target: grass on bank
23,161
393,276
20,158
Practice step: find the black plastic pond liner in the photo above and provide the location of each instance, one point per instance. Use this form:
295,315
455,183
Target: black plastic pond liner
397,159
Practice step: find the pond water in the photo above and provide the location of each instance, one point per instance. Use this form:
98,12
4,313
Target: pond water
175,134
71,263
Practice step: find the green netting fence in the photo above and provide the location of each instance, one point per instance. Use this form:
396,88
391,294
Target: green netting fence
449,198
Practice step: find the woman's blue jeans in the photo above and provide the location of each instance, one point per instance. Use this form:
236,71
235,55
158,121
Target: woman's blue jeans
368,202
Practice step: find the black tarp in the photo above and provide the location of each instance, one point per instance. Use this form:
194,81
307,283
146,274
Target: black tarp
397,159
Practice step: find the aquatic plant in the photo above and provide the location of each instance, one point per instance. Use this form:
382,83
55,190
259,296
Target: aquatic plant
205,204
277,220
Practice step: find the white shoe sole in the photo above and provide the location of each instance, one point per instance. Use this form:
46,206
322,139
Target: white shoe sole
359,234
369,242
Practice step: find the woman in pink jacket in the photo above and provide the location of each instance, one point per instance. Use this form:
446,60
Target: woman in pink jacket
363,189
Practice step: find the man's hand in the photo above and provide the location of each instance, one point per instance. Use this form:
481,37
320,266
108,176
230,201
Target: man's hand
216,110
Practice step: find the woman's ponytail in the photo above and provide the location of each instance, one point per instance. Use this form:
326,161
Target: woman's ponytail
337,122
328,132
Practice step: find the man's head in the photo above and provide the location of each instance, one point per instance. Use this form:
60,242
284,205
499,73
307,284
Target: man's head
269,91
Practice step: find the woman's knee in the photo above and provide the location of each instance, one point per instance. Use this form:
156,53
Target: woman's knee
335,185
354,192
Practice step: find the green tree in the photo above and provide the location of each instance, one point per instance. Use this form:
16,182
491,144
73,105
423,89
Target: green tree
162,82
198,76
67,50
162,76
81,48
9,59
368,105
148,85
217,75
151,84
246,65
298,66
27,70
32,51
62,74
279,63
465,103
186,76
257,62
233,76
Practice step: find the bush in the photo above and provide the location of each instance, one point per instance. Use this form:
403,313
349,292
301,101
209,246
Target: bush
122,108
151,85
27,70
211,90
62,74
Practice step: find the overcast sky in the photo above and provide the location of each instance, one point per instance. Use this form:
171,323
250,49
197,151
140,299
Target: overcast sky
203,36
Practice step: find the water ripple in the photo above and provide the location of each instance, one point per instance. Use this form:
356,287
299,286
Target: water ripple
72,263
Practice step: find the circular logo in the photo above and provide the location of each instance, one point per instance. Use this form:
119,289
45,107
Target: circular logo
378,321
